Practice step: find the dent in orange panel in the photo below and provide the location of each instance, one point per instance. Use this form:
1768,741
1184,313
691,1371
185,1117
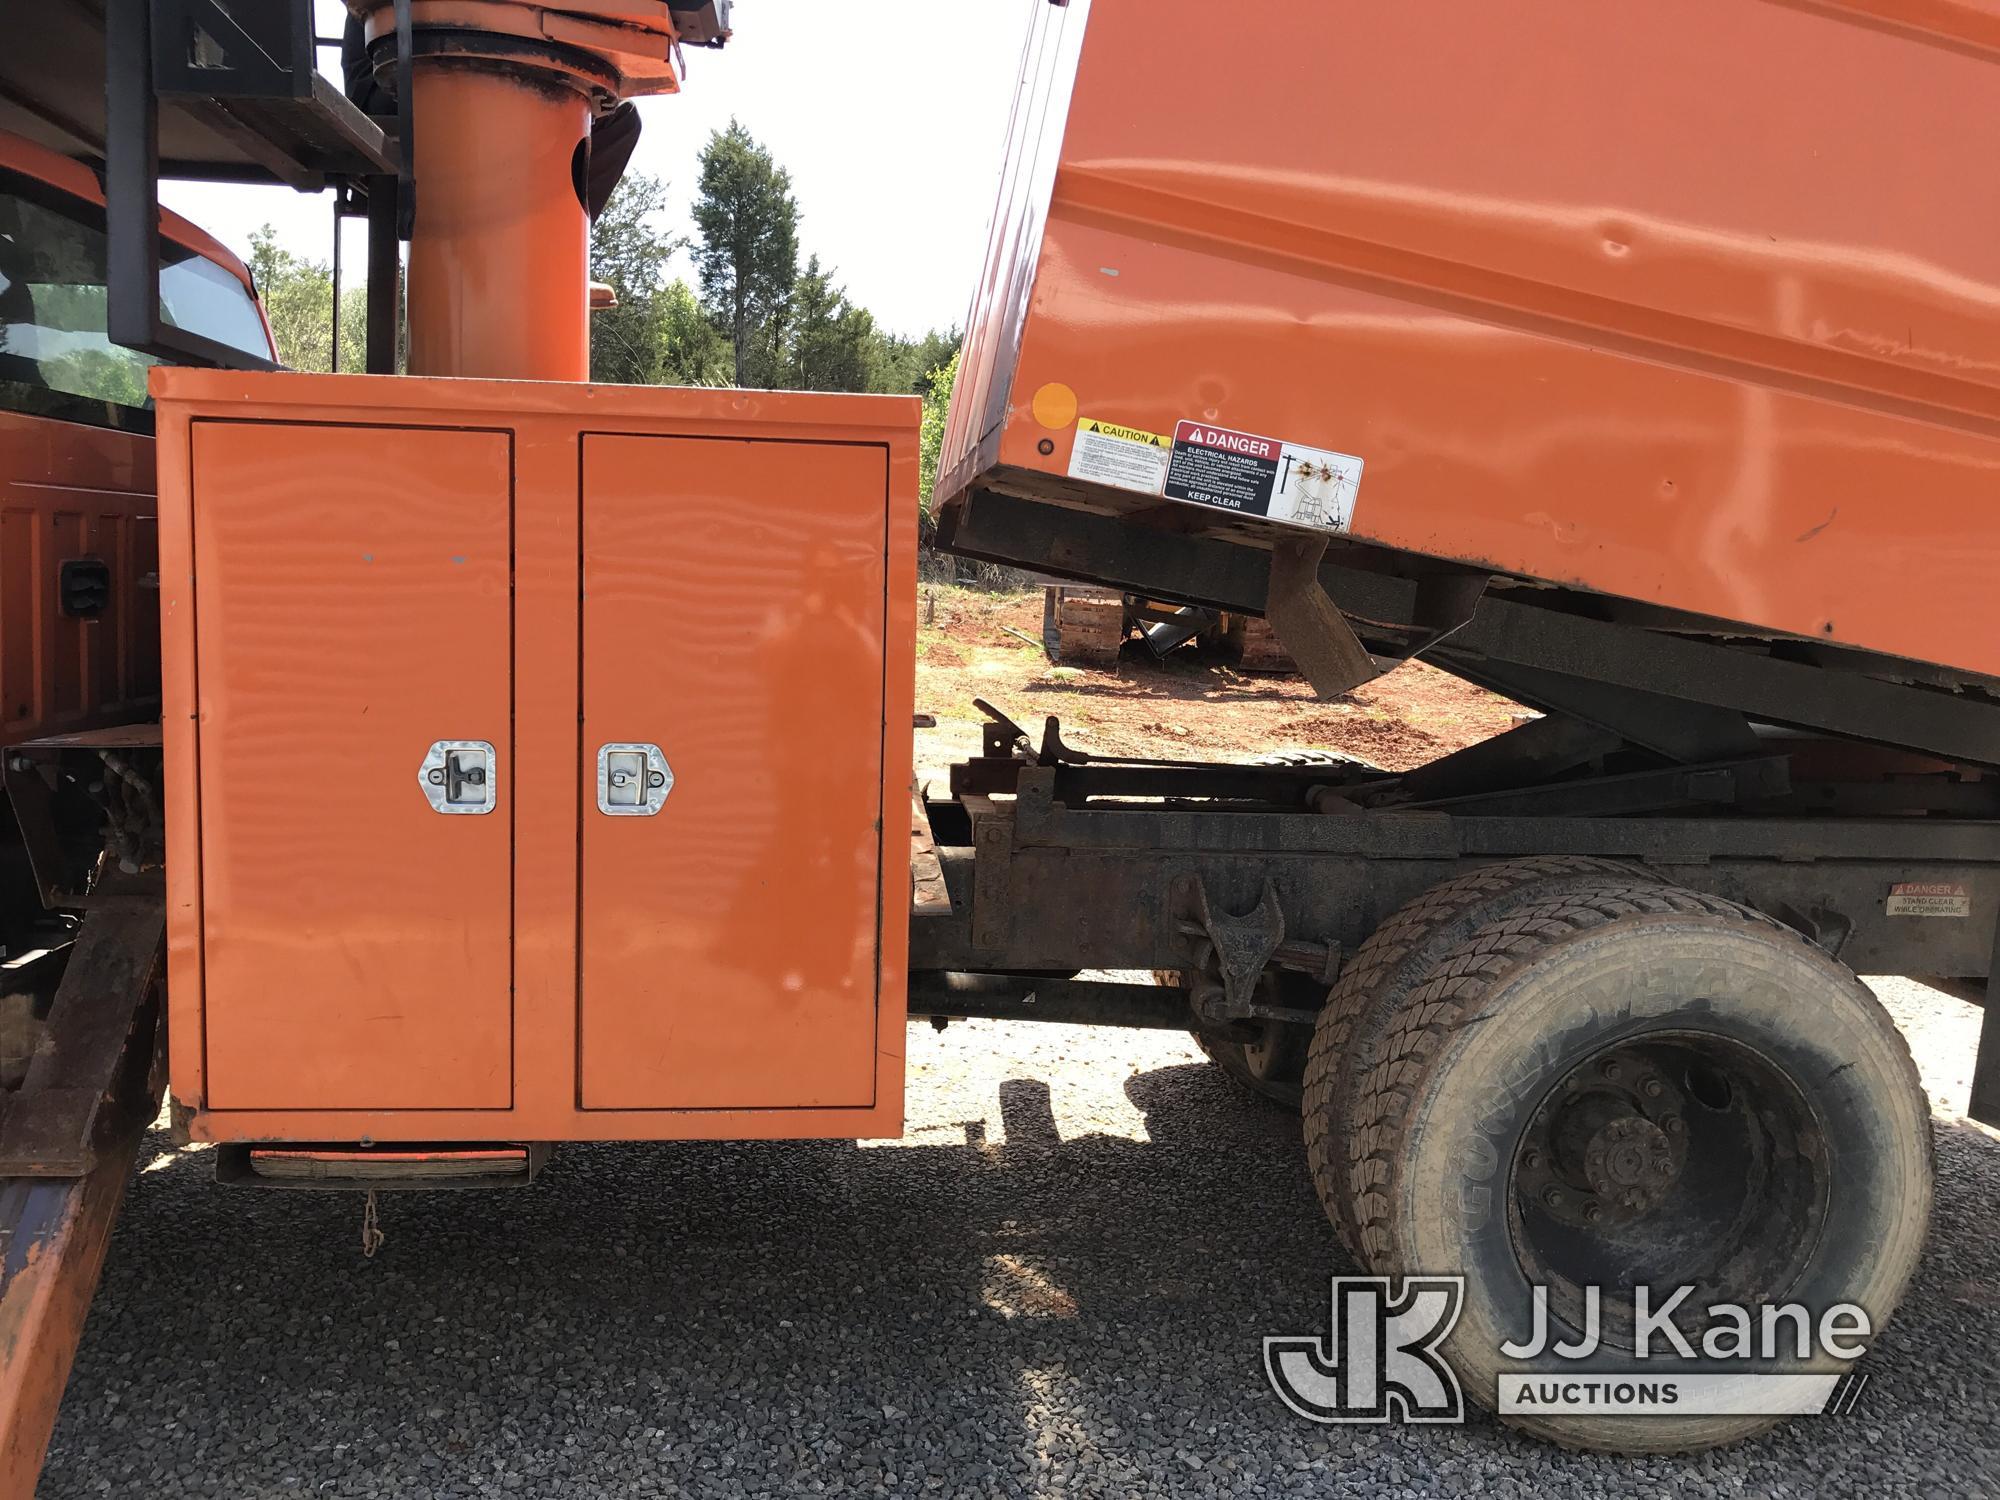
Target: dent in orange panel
733,616
352,588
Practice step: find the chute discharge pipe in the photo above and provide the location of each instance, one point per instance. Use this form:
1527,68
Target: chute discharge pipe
503,98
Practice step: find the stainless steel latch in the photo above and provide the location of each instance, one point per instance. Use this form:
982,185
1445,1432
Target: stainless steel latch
460,776
632,780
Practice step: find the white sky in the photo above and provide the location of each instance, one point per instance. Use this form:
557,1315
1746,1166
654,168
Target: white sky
893,137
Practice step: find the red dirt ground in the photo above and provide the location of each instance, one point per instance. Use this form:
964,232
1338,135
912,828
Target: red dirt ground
1185,708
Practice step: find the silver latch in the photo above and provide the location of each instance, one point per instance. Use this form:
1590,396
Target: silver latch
460,776
632,780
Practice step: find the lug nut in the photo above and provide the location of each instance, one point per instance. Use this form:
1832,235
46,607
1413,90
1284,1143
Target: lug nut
1675,1125
1553,1197
1531,1159
1612,1070
1592,1213
1654,1088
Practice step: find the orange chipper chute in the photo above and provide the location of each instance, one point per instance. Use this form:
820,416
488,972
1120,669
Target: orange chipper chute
502,101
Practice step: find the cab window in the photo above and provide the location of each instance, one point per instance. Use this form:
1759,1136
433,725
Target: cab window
55,357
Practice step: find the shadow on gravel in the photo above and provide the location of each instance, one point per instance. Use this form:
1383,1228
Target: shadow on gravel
1030,1315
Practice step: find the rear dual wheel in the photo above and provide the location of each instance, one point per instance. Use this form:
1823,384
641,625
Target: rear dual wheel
1376,981
1282,1062
1264,1058
1629,1084
1269,1062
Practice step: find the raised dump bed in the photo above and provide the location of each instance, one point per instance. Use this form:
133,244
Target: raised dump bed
1628,370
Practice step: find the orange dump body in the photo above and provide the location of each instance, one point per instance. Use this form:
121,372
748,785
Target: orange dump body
528,753
1697,305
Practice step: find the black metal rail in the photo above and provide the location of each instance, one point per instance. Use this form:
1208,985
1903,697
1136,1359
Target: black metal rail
1041,866
1656,681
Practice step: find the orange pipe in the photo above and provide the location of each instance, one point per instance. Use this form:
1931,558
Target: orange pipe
499,253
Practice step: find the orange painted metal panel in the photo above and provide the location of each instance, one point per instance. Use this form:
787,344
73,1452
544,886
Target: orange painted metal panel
65,656
498,283
352,588
546,785
18,605
1663,315
733,616
68,492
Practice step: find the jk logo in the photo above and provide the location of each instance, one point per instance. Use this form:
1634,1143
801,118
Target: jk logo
1379,1360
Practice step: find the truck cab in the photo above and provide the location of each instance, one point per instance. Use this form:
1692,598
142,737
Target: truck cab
79,619
76,454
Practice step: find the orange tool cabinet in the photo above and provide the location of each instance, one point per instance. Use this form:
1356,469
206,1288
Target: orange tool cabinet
528,747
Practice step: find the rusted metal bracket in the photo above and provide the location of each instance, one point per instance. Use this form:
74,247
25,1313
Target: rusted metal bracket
999,736
1242,946
397,1167
54,1124
90,1094
992,875
929,896
1011,997
1445,605
30,790
56,1232
1329,654
65,787
1984,1103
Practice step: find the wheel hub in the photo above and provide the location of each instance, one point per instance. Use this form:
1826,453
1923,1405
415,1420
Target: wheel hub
1630,1161
1607,1147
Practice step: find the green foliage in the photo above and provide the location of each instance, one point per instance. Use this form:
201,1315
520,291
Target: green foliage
629,250
937,406
77,307
298,299
758,318
790,329
114,375
826,342
693,352
658,334
746,249
910,366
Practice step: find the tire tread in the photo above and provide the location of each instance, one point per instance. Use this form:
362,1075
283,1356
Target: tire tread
1341,1056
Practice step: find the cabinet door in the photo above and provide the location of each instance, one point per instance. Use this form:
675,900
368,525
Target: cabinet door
732,618
353,588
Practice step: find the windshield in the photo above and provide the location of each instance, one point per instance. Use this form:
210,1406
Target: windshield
55,357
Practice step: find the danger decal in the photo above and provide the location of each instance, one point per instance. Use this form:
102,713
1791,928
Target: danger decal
1259,476
1917,899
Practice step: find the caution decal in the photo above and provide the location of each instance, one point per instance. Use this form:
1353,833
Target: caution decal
1126,458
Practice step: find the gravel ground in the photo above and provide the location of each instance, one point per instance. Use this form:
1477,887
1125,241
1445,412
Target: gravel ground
1055,1285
